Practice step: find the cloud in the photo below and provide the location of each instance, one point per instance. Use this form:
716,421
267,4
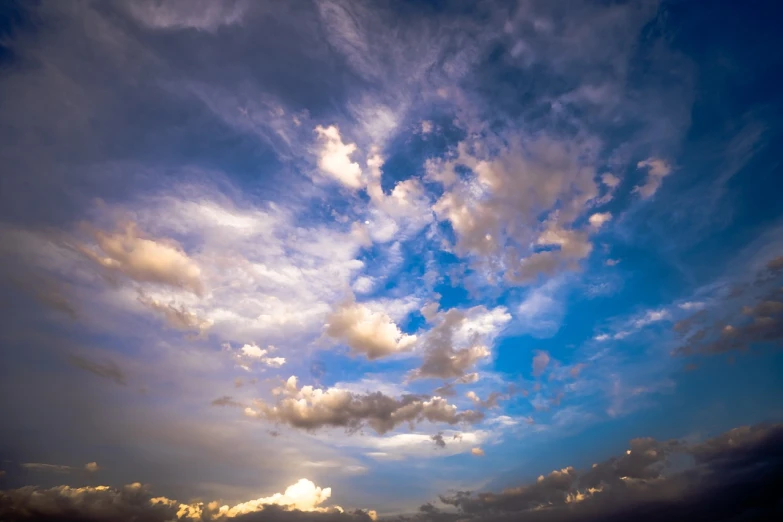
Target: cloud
650,317
312,408
399,446
335,158
91,467
177,317
495,213
301,502
657,169
179,14
106,369
549,489
227,400
610,180
540,362
438,440
373,334
303,496
725,328
51,468
598,219
459,340
542,310
128,252
251,353
731,477
477,452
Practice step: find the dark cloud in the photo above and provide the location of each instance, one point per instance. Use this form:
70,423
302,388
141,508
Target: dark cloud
438,440
226,400
734,477
759,320
106,369
136,503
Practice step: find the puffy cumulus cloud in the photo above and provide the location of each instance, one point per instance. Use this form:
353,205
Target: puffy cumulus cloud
99,503
312,408
372,333
128,252
334,158
304,496
657,169
731,477
301,501
251,353
459,340
495,211
177,316
477,452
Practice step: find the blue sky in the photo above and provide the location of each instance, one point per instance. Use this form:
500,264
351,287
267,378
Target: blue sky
395,249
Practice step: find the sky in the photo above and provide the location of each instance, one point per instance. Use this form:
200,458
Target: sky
421,261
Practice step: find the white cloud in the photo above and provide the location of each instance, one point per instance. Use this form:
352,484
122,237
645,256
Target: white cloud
255,353
599,219
478,452
335,157
417,445
541,312
177,316
363,285
129,252
657,169
373,334
426,127
651,316
610,180
304,496
403,212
